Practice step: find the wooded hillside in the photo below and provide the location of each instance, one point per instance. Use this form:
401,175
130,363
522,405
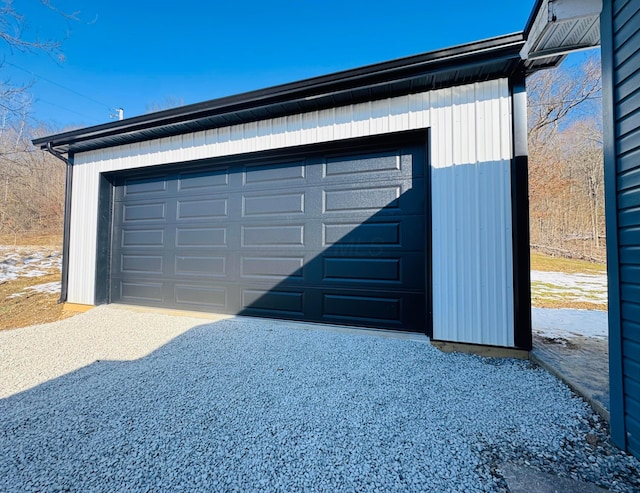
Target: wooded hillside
566,180
31,184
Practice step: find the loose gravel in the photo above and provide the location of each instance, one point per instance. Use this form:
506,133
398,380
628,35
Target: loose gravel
254,405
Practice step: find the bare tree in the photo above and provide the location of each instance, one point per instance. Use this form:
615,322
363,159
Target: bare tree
565,160
13,30
31,181
555,96
586,166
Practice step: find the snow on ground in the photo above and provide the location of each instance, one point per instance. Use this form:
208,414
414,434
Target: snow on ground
563,323
591,288
566,323
27,262
47,287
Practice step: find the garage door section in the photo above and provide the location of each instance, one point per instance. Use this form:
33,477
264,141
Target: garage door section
333,238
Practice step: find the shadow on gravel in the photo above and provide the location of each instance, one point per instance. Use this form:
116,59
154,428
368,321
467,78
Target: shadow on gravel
256,405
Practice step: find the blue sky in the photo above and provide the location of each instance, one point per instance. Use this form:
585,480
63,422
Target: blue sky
142,53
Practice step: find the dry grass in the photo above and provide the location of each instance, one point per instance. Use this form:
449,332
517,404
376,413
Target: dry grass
578,305
32,239
546,263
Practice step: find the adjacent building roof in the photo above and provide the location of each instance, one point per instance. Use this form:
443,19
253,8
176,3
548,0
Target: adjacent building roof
473,62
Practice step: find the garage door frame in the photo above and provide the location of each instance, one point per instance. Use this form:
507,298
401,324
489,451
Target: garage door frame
366,144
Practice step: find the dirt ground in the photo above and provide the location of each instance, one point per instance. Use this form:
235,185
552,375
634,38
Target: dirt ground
32,307
19,305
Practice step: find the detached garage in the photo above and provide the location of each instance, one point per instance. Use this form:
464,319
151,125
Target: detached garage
391,196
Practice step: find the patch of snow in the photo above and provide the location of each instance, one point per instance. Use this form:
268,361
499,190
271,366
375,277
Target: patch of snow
27,262
47,287
576,287
559,323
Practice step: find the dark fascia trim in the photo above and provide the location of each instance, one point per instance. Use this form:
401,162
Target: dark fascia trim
448,60
532,18
616,375
520,216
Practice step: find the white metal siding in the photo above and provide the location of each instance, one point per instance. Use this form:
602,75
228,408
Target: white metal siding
471,190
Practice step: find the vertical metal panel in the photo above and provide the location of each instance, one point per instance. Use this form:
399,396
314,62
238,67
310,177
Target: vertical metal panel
620,27
471,208
471,214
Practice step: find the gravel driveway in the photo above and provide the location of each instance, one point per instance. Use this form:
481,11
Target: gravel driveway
117,400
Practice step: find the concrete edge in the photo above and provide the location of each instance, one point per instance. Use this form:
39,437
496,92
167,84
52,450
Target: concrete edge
485,351
577,388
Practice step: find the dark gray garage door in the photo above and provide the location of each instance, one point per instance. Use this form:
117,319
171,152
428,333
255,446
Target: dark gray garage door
330,238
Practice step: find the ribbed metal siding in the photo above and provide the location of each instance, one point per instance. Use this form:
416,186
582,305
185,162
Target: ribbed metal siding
626,108
471,208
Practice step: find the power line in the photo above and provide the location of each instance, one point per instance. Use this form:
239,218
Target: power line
101,103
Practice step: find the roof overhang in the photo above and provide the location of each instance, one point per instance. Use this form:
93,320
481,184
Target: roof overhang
559,27
464,64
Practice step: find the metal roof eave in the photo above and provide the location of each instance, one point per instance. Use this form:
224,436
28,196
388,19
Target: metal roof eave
466,63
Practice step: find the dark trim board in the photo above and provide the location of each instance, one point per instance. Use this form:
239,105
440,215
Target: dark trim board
520,217
416,140
428,228
66,229
103,243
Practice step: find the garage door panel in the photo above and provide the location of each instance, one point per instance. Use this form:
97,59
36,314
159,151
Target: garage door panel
212,297
356,234
273,204
373,272
273,302
202,181
290,173
272,267
201,237
276,235
355,199
156,211
353,307
189,210
370,164
145,186
143,238
376,235
333,238
200,266
142,264
386,270
141,292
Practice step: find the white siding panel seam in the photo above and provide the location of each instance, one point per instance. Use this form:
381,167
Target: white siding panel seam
470,192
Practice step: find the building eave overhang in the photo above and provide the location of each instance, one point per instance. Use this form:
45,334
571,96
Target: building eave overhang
559,27
474,62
